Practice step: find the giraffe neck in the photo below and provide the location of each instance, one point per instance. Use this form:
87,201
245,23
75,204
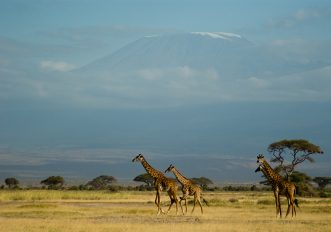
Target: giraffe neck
271,175
150,170
182,179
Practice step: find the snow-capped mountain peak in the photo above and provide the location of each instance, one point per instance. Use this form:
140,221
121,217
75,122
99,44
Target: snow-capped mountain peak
218,35
228,54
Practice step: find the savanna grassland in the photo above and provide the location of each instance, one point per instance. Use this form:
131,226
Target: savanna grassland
47,210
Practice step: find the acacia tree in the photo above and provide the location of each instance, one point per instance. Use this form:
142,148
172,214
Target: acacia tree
146,178
289,153
12,182
202,181
322,181
101,182
53,182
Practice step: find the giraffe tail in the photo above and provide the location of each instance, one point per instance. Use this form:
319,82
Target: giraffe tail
296,202
205,201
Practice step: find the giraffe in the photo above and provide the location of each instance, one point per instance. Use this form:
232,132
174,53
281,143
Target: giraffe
189,188
279,186
160,182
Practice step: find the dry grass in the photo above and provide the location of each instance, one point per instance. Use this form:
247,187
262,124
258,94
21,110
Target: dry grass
38,210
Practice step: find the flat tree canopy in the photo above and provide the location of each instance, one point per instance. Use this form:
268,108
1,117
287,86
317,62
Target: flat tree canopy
101,182
202,181
11,182
322,181
53,181
290,153
146,178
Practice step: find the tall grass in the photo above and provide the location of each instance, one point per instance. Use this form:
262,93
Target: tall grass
64,211
59,195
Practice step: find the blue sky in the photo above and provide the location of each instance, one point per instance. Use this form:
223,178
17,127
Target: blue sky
46,111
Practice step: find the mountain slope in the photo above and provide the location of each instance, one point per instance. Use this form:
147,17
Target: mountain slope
199,67
232,56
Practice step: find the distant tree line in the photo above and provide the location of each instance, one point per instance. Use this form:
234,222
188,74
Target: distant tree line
303,182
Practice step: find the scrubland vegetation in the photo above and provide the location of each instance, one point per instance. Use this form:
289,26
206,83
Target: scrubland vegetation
63,210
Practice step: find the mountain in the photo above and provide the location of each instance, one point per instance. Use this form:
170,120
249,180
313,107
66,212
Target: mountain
192,49
200,67
231,55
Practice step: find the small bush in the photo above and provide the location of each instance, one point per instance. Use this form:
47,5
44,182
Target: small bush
324,194
233,200
265,202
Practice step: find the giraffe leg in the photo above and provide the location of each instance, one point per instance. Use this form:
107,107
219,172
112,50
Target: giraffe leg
185,203
171,203
176,201
195,201
279,206
173,199
158,202
184,197
294,202
199,201
185,200
180,203
276,202
289,205
293,205
156,199
199,197
181,207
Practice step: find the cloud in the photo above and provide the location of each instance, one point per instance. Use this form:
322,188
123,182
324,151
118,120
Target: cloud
311,85
288,42
300,17
182,83
98,33
306,14
150,88
60,66
150,74
182,86
256,82
318,80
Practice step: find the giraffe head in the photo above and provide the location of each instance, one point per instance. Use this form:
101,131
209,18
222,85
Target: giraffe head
260,159
138,158
170,168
